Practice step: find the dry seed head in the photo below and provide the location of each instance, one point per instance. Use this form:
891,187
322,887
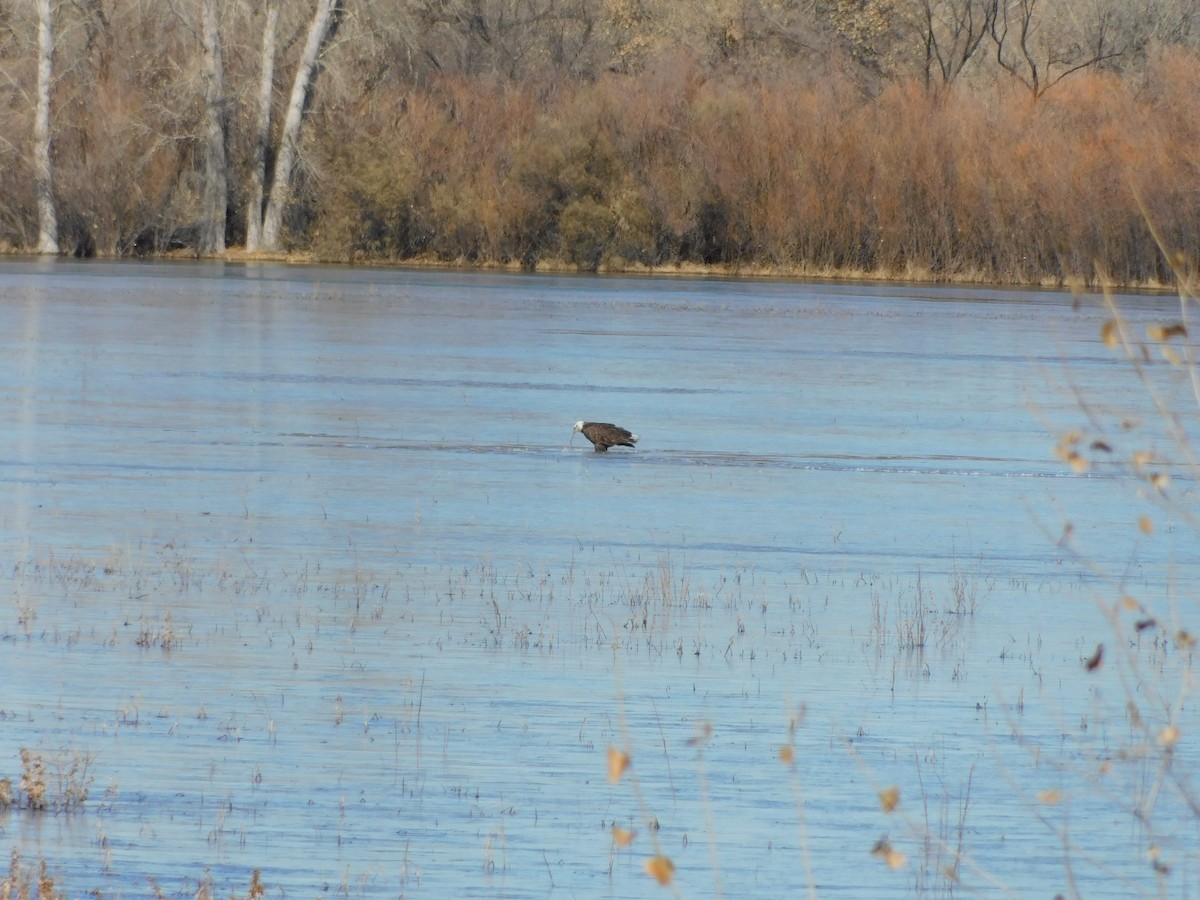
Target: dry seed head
618,762
1185,640
885,851
1066,444
623,837
1108,333
702,736
1169,736
1050,797
1166,332
787,755
889,799
1145,525
1135,717
797,720
660,868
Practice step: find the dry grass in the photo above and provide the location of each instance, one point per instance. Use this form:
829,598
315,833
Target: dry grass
24,883
59,784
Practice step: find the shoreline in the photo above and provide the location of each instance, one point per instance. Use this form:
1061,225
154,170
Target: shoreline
912,276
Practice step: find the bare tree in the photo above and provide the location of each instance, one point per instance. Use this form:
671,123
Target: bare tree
514,37
215,191
42,173
324,22
1039,52
262,133
951,32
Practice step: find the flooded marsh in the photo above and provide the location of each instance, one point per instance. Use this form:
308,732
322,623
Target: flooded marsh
307,576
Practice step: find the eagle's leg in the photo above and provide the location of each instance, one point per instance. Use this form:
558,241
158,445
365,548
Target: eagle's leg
601,448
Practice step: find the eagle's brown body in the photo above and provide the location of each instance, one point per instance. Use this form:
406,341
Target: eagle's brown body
604,435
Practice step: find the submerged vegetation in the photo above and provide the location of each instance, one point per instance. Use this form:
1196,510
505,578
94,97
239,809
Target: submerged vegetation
1111,752
963,139
1137,777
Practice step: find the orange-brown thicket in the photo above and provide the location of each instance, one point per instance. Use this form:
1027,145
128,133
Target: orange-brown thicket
680,163
679,166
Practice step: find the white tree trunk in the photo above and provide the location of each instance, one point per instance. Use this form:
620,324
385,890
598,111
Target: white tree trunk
43,184
262,137
212,222
285,160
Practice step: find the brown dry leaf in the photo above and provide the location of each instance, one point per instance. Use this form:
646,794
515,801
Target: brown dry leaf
889,798
889,854
660,868
1050,798
623,837
1108,333
1100,446
703,734
1145,525
787,755
1153,853
1066,445
1093,661
618,762
1166,332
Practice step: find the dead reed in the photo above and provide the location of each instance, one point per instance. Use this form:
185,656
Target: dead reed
59,784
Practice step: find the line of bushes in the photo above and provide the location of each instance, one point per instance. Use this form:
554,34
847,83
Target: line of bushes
676,164
676,168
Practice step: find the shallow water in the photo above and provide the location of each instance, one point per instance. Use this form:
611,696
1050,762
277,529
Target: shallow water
305,563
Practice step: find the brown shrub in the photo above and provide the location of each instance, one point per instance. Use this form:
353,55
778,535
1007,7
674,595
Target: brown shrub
688,156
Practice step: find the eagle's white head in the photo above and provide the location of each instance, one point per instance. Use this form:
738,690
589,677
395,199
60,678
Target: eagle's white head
578,427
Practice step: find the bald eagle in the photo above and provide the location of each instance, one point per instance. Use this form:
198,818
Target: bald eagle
604,435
